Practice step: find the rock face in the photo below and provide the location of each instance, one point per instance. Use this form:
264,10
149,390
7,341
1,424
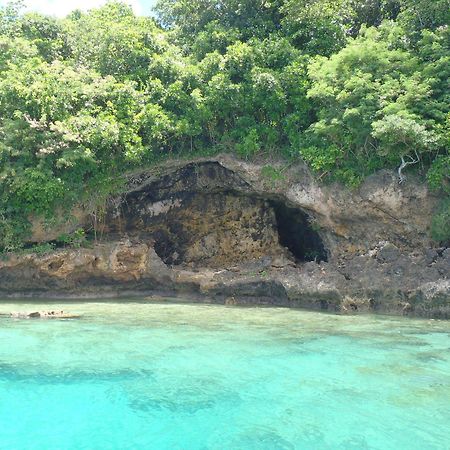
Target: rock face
110,264
209,230
204,215
218,230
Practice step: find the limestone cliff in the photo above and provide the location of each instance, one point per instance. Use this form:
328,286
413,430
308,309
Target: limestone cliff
222,230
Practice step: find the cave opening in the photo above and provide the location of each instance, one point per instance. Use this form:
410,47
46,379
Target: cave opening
205,215
297,234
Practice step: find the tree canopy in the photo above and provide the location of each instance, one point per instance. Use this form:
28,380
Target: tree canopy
347,86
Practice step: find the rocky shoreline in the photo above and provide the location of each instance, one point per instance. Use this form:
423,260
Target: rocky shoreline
214,230
376,282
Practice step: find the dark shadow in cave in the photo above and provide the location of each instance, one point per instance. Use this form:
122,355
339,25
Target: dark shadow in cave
296,233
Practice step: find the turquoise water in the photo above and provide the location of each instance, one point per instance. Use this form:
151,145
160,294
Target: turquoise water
161,376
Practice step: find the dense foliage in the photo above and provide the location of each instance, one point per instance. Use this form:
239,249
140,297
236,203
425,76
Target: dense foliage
349,86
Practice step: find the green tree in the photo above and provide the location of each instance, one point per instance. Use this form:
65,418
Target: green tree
250,18
47,34
419,15
10,18
371,99
321,27
113,41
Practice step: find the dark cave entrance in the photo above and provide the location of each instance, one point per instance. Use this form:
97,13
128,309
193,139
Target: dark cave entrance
297,234
204,215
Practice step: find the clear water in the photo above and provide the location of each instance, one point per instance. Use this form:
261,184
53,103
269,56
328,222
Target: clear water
160,376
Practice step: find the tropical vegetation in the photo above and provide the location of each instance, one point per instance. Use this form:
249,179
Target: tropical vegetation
348,86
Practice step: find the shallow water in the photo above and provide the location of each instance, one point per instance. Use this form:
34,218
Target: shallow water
162,376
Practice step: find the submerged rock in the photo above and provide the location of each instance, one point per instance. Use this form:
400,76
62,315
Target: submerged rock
43,315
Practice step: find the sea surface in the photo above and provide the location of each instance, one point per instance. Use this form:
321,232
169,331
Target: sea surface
135,375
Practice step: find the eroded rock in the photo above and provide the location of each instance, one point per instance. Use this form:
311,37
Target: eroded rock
215,230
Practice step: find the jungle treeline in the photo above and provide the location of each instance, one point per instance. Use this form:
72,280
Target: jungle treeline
347,86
